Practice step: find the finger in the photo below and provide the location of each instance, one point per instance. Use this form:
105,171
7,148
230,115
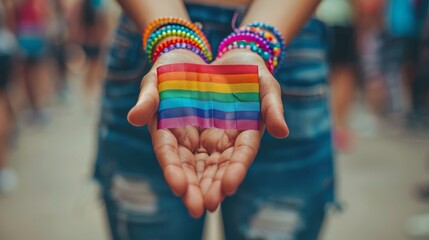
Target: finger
147,103
272,105
245,150
214,195
193,200
199,165
166,151
193,197
210,169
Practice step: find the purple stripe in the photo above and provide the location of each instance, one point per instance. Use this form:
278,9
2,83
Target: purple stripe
208,123
211,113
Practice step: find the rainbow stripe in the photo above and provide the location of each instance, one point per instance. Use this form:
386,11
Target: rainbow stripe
209,96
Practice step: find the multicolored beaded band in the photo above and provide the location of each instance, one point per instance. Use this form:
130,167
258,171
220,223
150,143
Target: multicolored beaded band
270,29
166,34
275,46
249,46
161,22
178,43
248,37
170,30
260,38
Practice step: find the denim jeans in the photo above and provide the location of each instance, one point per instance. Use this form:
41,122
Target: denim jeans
286,190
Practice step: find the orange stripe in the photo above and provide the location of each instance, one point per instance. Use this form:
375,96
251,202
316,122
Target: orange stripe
205,77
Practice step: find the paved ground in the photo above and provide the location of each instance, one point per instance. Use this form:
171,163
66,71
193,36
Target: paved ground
56,199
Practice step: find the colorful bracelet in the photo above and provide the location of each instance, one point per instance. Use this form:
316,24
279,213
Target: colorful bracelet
280,44
166,34
260,38
270,29
174,31
248,37
252,47
178,43
161,22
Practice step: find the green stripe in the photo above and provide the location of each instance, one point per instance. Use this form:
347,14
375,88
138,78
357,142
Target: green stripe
204,96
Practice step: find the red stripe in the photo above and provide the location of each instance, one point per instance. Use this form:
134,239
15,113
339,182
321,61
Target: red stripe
210,69
208,123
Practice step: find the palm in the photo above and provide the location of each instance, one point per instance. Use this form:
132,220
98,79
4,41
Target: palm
178,154
205,165
227,154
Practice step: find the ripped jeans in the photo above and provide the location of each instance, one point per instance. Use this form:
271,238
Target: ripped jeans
286,190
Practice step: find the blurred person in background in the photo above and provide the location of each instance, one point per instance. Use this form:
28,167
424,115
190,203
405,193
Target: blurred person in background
404,28
291,182
58,36
30,25
339,16
7,52
418,225
419,114
370,29
91,32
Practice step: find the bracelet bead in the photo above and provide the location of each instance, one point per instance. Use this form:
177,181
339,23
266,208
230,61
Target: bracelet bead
166,34
260,38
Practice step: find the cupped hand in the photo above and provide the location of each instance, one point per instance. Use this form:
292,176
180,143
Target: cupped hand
174,148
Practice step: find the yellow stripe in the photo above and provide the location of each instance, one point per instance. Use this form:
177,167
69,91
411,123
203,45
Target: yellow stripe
209,87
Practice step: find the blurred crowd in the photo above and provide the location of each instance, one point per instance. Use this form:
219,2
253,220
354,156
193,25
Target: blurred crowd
41,43
378,53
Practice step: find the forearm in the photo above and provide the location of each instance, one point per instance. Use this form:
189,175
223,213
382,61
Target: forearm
143,12
288,16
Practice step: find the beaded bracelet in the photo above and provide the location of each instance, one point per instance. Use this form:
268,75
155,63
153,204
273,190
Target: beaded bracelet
249,37
178,43
174,31
260,38
259,43
166,34
252,47
270,29
161,22
276,33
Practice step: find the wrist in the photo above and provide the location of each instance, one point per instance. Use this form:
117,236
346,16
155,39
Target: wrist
179,55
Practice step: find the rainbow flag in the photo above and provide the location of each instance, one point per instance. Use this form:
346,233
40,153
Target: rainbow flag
209,96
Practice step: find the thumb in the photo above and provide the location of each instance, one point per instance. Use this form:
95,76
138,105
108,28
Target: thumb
147,104
272,105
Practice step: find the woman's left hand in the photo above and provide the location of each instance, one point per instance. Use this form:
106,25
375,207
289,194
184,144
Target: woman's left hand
228,154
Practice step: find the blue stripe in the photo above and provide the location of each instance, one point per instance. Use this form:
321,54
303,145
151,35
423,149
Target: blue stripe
207,105
183,112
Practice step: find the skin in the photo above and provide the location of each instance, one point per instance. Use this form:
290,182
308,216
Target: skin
203,166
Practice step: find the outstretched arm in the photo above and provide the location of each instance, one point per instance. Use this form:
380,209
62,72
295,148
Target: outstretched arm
143,12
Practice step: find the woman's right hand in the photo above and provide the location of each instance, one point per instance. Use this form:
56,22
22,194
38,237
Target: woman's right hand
174,148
